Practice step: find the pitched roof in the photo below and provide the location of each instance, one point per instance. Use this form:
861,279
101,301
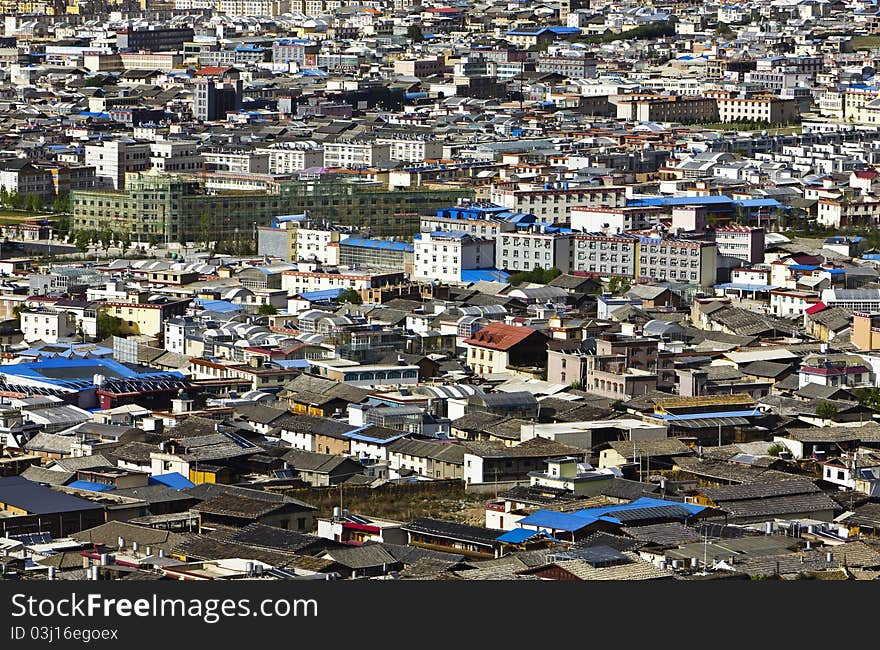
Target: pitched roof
109,533
498,336
37,499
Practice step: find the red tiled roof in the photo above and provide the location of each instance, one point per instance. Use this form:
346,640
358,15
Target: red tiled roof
815,309
866,173
498,336
212,70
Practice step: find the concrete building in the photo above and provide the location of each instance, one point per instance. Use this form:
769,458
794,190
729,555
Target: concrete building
555,205
771,110
533,248
741,242
113,159
356,155
443,255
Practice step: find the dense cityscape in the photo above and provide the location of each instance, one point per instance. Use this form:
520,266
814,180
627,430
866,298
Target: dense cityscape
475,290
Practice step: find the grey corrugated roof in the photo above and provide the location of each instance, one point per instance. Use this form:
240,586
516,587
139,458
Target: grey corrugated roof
36,499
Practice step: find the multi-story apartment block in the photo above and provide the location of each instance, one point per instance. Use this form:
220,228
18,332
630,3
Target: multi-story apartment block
670,108
414,149
426,67
215,98
175,156
154,38
533,248
771,110
113,159
236,162
554,205
178,207
743,242
581,67
303,281
615,220
253,7
478,220
601,255
677,259
356,154
857,211
622,367
443,255
287,158
382,254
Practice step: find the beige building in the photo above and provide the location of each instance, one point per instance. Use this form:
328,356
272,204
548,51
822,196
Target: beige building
771,110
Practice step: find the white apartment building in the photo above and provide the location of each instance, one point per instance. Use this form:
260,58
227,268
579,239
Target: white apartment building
677,260
313,244
614,220
237,162
299,281
353,155
48,326
175,156
113,159
603,255
861,211
413,149
252,7
762,109
742,242
443,255
284,160
555,205
533,249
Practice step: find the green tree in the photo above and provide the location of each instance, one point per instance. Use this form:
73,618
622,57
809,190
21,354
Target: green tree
414,33
869,397
107,325
349,296
267,310
61,204
16,314
15,201
538,276
32,203
82,239
826,411
4,197
619,285
775,449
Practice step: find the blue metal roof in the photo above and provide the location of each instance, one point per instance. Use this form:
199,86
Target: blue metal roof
91,486
680,200
290,363
747,287
758,203
484,275
520,535
804,267
383,244
76,374
638,504
220,306
174,480
324,294
567,521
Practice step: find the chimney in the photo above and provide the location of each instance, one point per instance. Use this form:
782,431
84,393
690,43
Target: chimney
51,573
120,542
